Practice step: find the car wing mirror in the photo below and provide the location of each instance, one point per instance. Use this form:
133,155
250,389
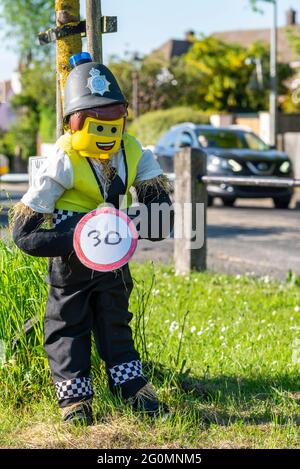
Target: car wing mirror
184,145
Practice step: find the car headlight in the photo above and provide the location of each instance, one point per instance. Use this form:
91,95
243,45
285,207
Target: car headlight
216,162
235,166
285,167
213,160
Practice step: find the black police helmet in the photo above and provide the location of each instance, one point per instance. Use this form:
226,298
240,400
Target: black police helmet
90,84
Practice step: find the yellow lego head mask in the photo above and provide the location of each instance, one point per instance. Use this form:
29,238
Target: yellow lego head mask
98,132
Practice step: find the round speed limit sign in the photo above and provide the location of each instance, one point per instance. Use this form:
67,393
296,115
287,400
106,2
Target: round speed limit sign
105,239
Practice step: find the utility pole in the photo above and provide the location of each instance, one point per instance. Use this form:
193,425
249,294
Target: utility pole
94,29
273,71
273,78
96,25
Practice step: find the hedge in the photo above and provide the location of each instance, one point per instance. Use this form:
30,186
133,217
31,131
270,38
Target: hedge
150,126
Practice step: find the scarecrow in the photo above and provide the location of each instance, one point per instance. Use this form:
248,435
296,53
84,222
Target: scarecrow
96,162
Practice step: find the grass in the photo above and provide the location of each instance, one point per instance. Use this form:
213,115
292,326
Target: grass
218,348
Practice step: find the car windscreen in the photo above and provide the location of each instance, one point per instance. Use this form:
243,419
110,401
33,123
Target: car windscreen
215,138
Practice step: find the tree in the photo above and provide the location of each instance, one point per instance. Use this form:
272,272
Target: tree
294,39
22,20
123,70
255,3
213,76
35,111
226,78
35,106
161,84
292,100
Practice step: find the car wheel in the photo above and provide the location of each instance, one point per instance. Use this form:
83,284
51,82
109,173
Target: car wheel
282,202
228,202
210,201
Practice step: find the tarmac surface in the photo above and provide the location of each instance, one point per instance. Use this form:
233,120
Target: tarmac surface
251,237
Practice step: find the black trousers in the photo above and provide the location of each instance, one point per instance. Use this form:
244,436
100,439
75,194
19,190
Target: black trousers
72,314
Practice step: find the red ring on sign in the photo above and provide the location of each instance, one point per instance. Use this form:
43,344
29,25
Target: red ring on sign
114,265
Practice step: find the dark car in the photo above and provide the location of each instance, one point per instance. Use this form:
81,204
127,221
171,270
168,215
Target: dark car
230,151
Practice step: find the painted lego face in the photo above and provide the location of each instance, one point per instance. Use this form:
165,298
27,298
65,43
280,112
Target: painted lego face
97,138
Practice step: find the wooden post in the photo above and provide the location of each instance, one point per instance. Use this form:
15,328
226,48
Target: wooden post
67,12
94,29
190,211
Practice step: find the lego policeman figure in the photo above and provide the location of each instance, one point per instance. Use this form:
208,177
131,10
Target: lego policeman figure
96,162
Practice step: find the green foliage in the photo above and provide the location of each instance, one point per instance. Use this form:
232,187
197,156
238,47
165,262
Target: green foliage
123,71
22,20
149,127
213,76
161,84
38,83
227,79
35,106
293,278
23,134
292,100
35,109
7,145
254,4
294,39
47,128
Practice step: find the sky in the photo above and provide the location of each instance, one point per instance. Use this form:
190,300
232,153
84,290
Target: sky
144,25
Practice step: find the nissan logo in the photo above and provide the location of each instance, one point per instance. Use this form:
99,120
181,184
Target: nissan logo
262,166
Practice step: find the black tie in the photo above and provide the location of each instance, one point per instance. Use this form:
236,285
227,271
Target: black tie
116,188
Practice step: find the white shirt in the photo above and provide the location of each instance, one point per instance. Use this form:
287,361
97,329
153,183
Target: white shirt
55,176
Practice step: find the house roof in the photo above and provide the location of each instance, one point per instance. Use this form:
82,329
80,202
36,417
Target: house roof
172,48
246,37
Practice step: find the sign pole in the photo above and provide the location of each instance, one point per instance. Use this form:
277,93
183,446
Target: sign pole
94,29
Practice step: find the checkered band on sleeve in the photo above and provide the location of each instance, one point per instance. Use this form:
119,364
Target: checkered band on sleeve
61,215
76,387
126,371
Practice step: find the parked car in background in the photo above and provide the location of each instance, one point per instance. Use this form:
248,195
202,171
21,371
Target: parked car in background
230,151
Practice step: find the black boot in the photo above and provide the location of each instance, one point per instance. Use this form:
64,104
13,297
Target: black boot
79,414
146,402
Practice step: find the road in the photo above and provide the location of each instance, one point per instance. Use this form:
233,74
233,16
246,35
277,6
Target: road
249,238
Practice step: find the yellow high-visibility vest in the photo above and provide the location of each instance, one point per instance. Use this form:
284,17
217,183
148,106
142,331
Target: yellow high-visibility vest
85,194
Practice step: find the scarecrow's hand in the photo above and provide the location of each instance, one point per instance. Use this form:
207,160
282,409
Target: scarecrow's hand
153,194
34,240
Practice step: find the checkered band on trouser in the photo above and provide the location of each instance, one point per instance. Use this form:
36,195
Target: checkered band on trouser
61,215
126,371
76,387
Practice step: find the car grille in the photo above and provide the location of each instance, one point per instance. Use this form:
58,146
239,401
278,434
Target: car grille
261,167
253,168
260,190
